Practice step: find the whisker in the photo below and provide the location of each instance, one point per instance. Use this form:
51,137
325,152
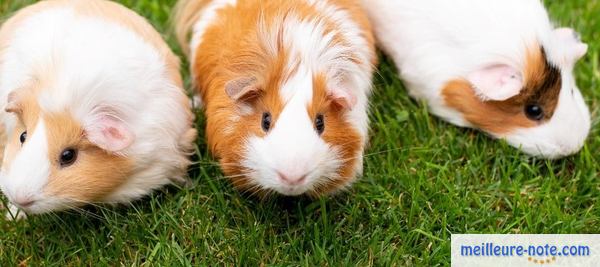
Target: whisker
235,176
386,151
84,212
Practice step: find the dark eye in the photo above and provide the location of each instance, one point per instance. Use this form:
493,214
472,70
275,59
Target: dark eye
266,121
67,157
320,123
23,137
534,112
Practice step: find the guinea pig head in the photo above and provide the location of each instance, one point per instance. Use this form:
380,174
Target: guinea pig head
54,161
534,105
290,134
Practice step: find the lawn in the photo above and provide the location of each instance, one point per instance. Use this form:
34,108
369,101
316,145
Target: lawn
423,181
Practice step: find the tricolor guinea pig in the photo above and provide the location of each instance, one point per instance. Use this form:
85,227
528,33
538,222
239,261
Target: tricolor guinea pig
96,112
496,65
285,86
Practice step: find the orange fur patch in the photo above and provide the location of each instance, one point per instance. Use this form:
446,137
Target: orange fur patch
95,173
542,86
228,144
339,133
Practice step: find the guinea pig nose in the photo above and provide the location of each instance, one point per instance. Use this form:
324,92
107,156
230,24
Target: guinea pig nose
290,179
24,202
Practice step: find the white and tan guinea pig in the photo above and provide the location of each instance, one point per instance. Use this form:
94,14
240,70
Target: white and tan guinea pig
285,87
495,65
96,109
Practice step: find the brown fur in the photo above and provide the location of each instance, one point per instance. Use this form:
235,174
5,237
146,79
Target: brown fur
95,173
542,86
232,50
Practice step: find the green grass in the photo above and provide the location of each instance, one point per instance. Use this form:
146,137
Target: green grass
424,180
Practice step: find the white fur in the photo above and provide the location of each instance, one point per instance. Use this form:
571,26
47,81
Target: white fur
435,41
293,147
22,181
97,66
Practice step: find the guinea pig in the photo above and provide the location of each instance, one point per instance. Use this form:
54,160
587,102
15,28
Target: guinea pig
96,112
285,87
496,65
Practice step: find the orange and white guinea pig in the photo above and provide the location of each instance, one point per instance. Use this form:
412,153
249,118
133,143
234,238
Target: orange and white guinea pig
496,65
285,86
96,112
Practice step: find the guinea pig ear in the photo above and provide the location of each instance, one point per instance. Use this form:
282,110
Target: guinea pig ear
109,133
571,41
342,97
242,88
496,82
13,103
339,91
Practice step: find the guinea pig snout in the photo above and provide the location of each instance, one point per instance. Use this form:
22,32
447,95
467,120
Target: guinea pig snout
23,201
292,178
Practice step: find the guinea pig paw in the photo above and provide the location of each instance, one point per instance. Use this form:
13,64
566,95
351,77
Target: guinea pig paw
14,214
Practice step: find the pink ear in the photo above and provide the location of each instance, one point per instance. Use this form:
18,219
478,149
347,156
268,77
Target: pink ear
575,49
343,97
496,82
109,133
